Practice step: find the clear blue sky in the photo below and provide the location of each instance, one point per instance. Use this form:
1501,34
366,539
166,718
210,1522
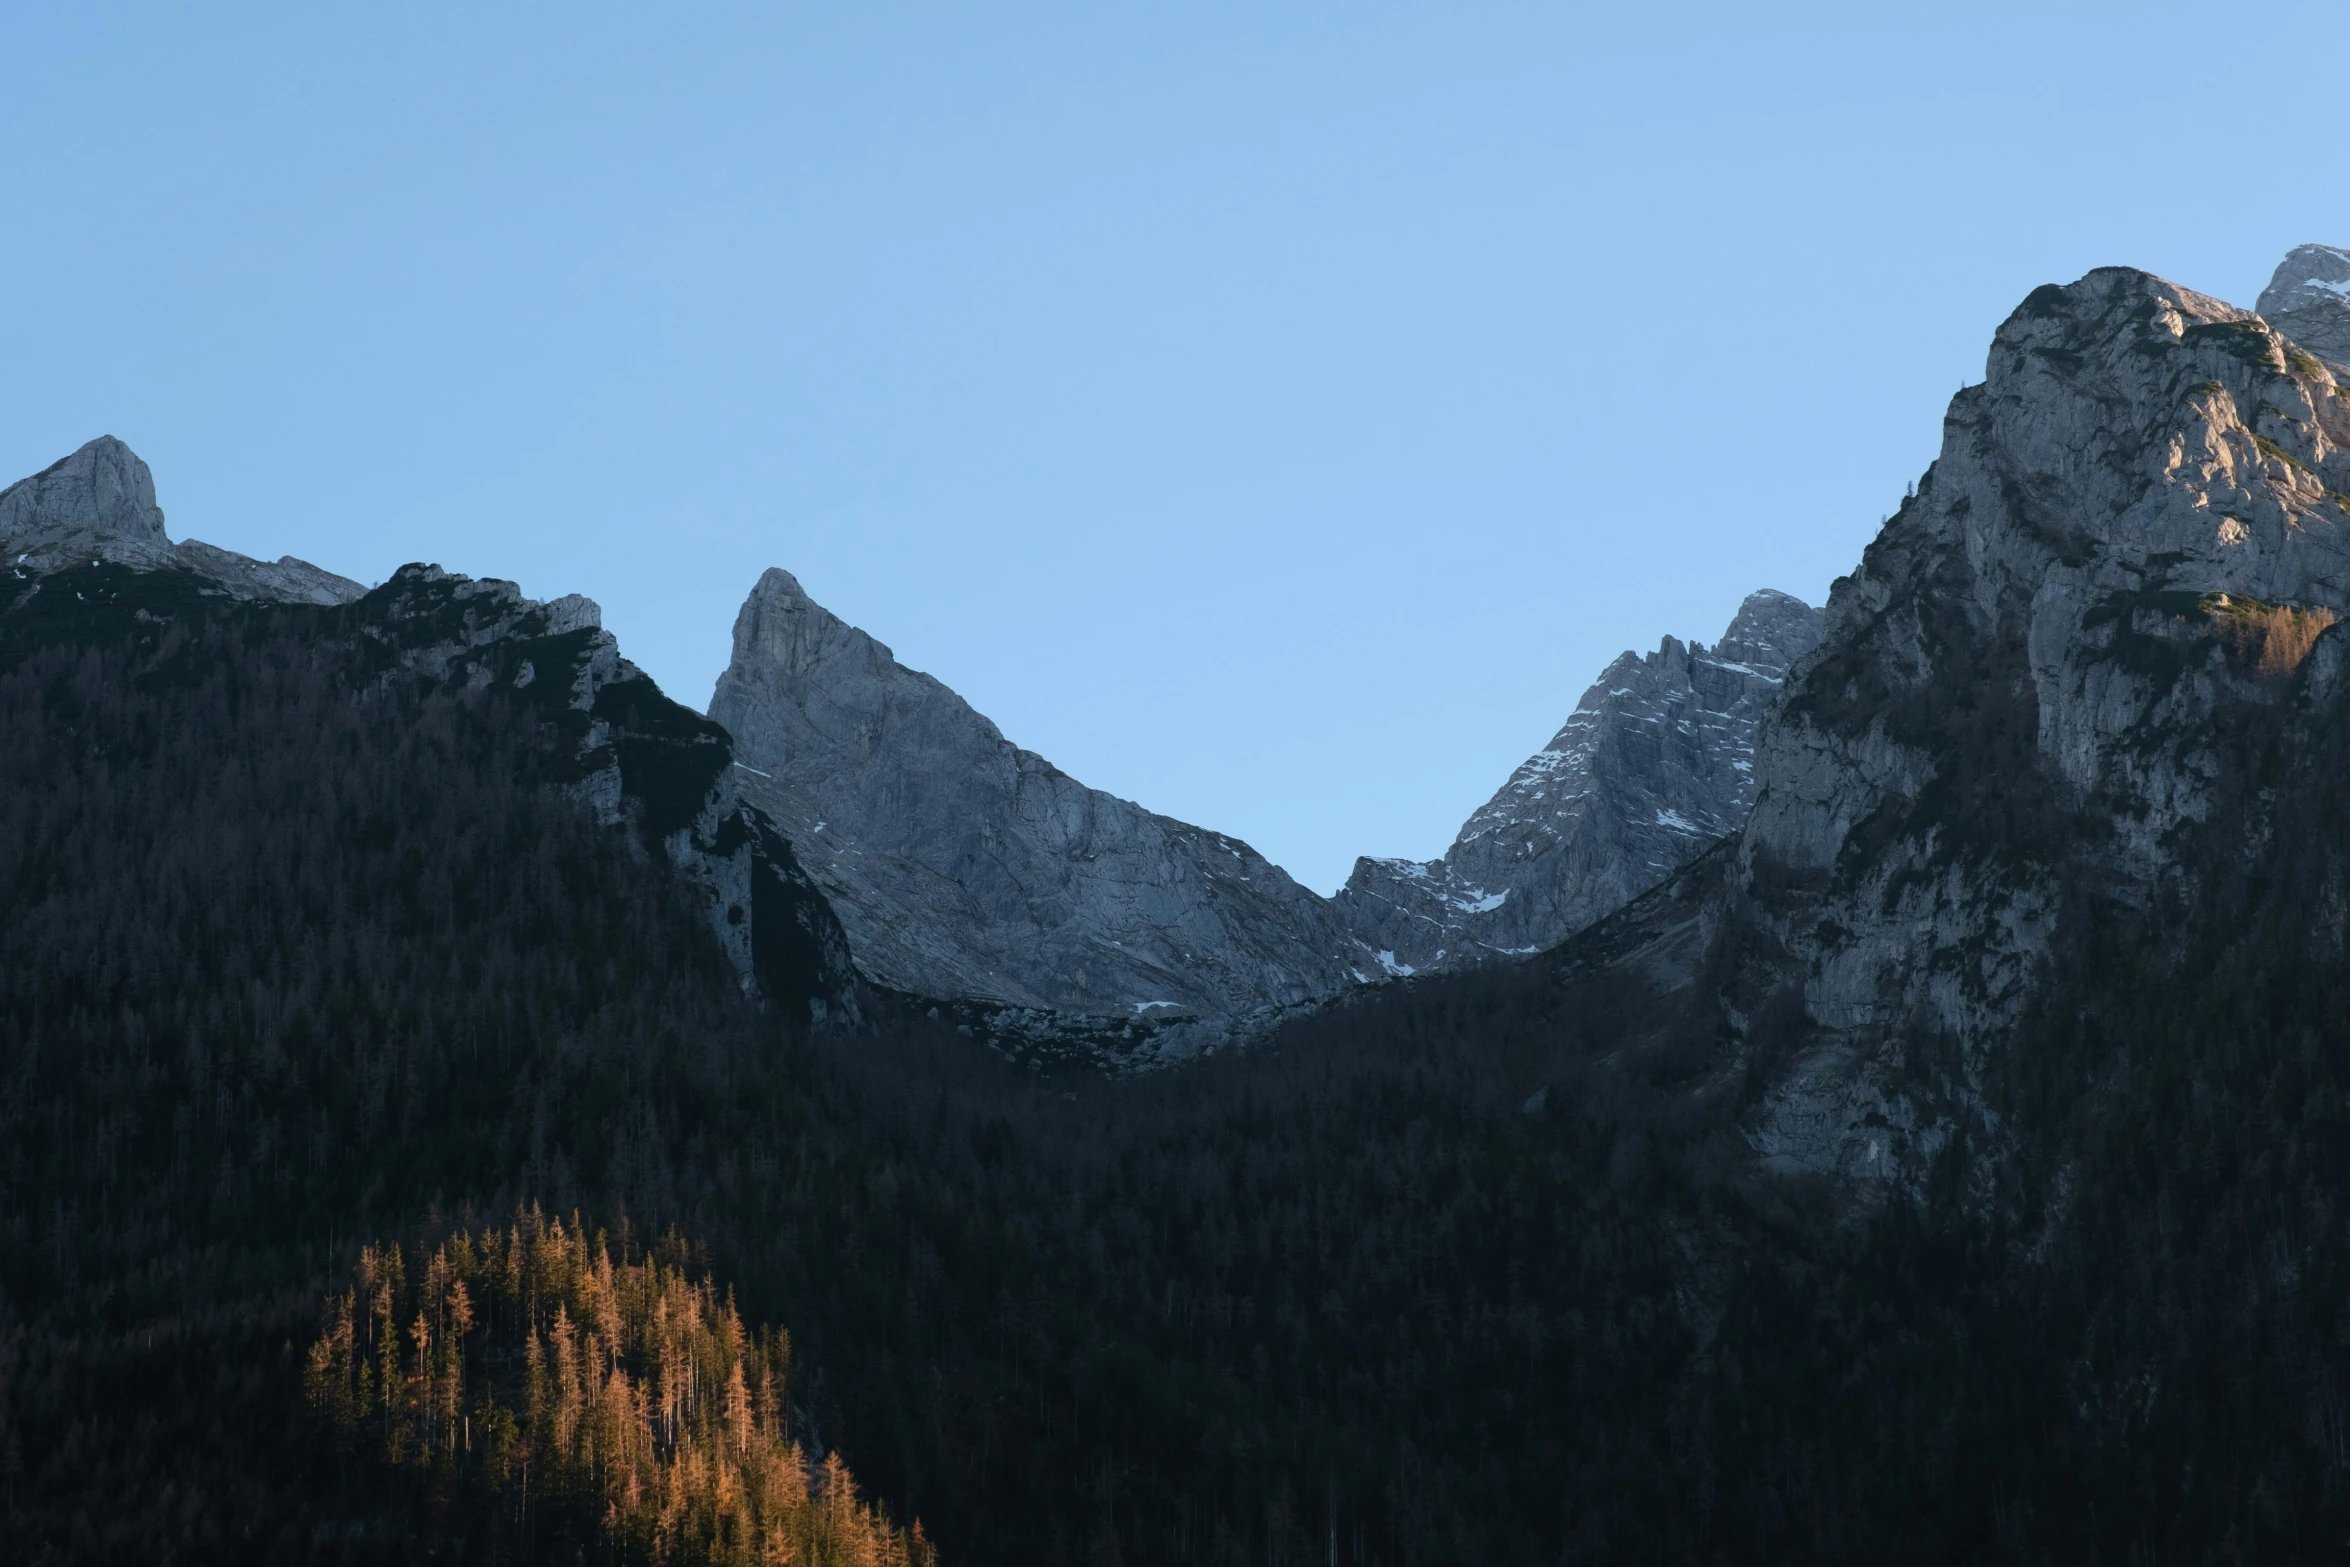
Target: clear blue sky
1275,413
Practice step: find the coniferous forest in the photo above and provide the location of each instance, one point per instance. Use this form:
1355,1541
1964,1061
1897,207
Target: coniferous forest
391,1166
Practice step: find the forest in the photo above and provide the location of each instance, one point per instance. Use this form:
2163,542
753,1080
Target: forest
624,1405
320,996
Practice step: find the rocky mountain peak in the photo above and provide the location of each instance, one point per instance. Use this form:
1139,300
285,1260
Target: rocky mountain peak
1770,631
2309,300
781,628
2138,523
99,504
966,869
1652,767
100,499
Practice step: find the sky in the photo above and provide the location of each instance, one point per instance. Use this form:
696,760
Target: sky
1273,413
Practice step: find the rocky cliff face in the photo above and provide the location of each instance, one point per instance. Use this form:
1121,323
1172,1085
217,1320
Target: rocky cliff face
965,867
88,526
2138,526
640,760
974,874
2309,300
1654,765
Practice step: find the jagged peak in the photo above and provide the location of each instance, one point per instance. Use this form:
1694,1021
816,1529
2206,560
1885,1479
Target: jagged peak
99,503
2309,300
1771,628
2309,275
780,628
102,493
780,586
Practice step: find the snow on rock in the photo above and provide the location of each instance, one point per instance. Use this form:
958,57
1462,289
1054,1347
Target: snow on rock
2309,300
1653,765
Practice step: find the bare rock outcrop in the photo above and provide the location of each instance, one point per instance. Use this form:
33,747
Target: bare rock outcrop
2024,697
1654,765
99,504
966,867
2309,300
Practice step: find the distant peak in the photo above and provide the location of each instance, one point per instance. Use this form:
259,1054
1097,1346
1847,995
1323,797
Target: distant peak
781,629
775,583
1767,606
1770,631
2309,299
2309,275
102,493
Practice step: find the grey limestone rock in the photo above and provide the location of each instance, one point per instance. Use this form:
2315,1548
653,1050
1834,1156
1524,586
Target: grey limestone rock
99,504
2014,693
2309,300
1654,765
964,867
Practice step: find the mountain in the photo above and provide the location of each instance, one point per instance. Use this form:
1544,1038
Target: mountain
2139,523
965,868
2309,300
99,503
1946,1166
970,872
1654,766
2031,714
327,923
2028,969
626,751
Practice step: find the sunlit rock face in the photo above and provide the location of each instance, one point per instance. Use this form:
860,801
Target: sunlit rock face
966,867
2139,524
1654,765
99,504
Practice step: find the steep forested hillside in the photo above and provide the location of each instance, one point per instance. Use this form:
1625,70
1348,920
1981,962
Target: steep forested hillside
301,950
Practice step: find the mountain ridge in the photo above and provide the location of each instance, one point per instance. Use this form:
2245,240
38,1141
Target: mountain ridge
1948,1165
99,501
637,760
968,868
2139,524
972,873
1652,766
